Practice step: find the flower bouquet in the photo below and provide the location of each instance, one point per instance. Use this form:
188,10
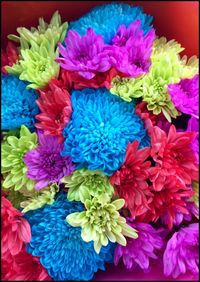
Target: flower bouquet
99,149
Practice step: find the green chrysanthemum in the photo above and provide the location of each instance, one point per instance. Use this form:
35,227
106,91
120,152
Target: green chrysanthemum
40,198
166,68
15,197
102,222
84,184
195,188
37,64
54,31
13,166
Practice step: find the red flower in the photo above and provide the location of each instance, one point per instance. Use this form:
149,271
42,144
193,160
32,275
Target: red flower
168,201
15,229
130,180
9,57
17,264
24,267
56,109
173,156
79,82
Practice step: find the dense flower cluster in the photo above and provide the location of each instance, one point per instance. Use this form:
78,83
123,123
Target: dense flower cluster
100,149
70,258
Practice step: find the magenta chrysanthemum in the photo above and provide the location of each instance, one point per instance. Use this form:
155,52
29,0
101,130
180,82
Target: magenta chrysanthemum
193,126
45,163
84,54
181,254
138,252
132,49
185,95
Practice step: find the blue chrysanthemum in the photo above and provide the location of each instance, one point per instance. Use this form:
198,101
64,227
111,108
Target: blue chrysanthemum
100,128
18,103
105,20
59,245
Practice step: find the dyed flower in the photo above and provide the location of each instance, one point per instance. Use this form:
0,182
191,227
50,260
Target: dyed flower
195,188
167,202
84,184
18,103
9,57
54,31
60,247
86,55
45,163
56,109
99,80
133,49
37,64
106,19
140,251
40,198
166,67
130,180
193,126
100,129
12,165
173,156
15,230
15,197
180,217
181,254
101,222
185,95
26,267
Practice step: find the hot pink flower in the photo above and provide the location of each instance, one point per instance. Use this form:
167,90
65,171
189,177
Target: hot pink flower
174,157
56,110
167,202
15,229
130,180
9,57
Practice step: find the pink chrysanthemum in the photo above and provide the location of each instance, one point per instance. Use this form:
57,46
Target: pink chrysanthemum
167,202
56,110
130,180
15,230
173,156
9,57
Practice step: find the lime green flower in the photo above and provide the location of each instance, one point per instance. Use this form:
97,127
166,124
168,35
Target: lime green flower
40,198
15,197
13,166
101,222
195,188
166,68
54,31
37,64
84,184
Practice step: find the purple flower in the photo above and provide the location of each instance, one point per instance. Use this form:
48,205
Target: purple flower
193,125
86,54
139,251
45,163
132,49
185,94
181,253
